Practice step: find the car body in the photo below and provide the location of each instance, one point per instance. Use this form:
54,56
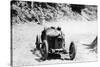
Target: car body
52,40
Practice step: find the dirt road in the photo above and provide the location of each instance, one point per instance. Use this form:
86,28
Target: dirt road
24,42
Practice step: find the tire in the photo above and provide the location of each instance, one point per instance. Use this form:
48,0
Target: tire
44,49
37,43
72,51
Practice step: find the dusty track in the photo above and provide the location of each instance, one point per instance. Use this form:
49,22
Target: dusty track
24,42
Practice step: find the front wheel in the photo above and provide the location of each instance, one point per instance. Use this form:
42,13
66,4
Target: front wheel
72,51
37,43
44,50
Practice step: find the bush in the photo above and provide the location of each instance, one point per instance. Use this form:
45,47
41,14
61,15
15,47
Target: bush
28,11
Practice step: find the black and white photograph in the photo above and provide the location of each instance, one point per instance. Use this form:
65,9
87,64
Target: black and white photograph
52,33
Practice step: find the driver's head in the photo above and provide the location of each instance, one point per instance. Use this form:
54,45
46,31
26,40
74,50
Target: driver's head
59,28
52,27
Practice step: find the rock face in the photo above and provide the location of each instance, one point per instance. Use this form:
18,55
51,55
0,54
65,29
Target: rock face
90,13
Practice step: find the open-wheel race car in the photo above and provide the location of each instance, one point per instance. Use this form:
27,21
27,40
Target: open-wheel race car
52,40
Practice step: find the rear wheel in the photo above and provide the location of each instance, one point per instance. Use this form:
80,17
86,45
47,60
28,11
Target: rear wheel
44,50
72,51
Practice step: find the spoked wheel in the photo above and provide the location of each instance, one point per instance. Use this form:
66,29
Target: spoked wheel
44,50
72,51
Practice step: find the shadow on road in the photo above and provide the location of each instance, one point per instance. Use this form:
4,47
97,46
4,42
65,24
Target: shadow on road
50,56
53,56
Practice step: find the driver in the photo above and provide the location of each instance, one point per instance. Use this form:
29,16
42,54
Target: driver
52,31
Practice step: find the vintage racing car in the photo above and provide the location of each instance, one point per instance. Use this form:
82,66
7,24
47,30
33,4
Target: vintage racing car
52,40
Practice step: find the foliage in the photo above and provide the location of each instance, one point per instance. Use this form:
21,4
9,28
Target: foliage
40,12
